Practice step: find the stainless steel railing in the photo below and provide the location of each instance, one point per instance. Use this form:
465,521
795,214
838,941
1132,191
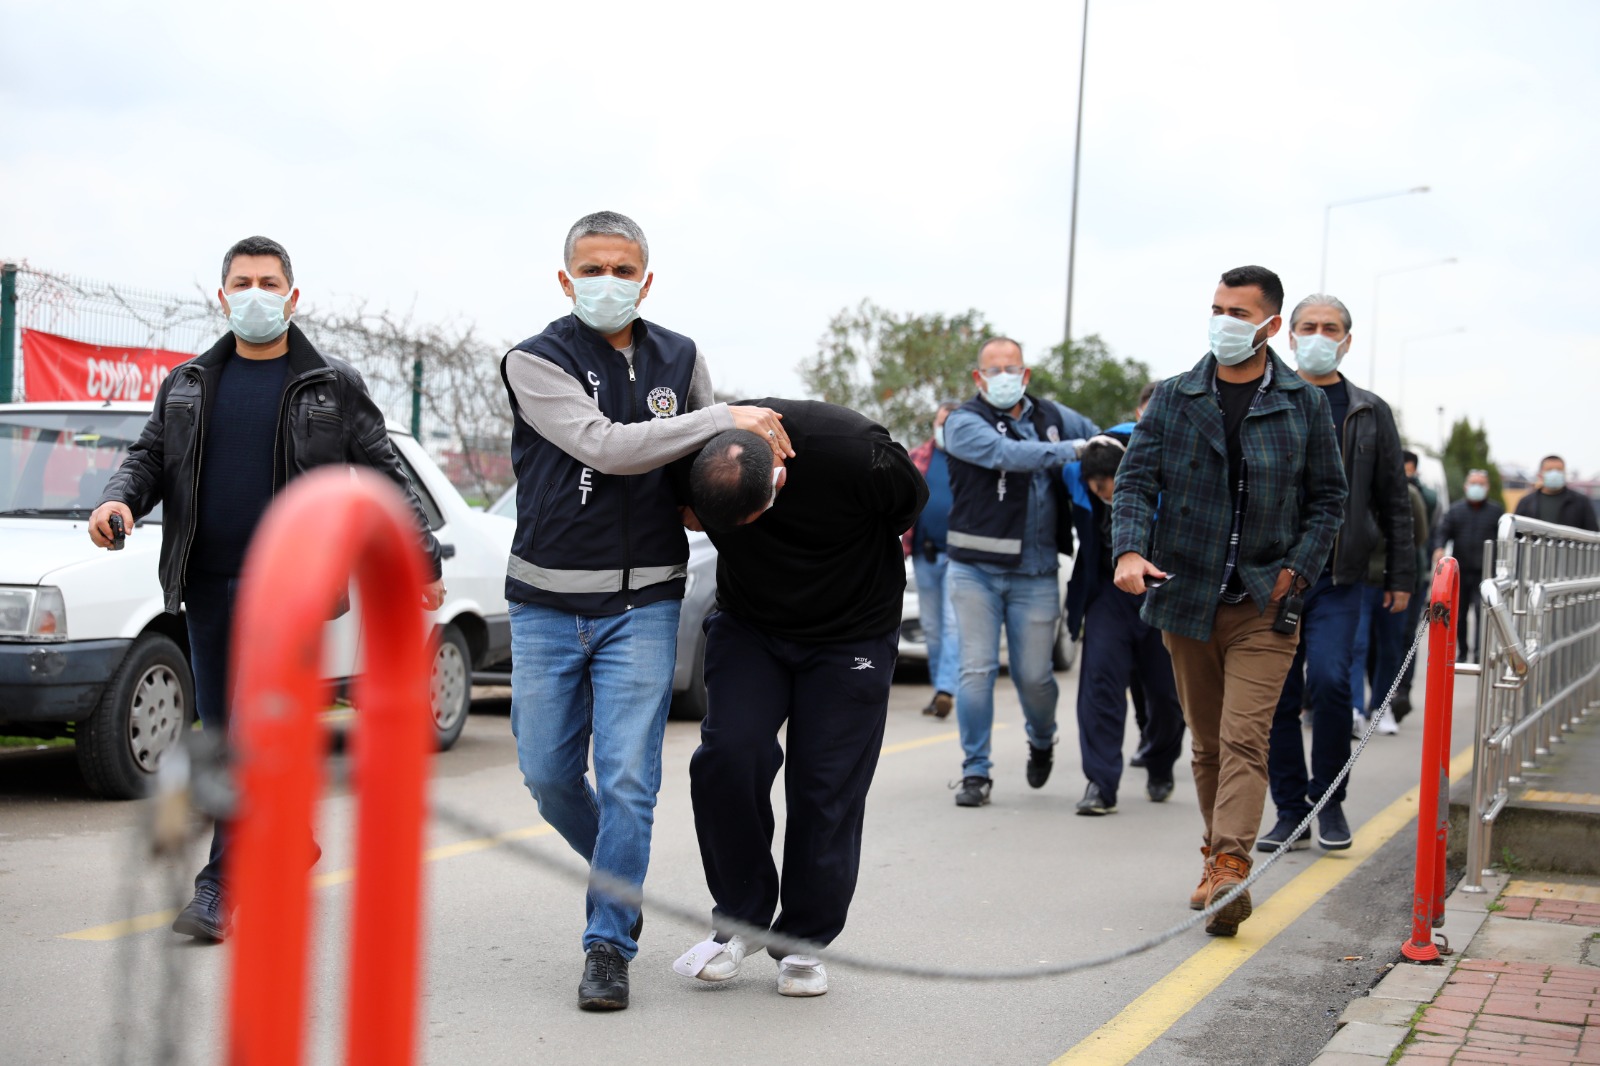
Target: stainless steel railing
1539,661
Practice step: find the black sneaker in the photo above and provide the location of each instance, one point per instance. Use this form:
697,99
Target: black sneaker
1158,791
1333,832
605,979
205,918
1094,802
1274,837
974,791
1039,762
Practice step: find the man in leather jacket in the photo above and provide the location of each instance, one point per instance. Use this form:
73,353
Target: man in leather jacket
1377,517
229,430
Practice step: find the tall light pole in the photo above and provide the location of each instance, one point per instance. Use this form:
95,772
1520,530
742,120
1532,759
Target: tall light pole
1405,357
1372,369
1327,214
1077,153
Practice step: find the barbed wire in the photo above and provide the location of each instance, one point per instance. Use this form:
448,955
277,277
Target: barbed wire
621,891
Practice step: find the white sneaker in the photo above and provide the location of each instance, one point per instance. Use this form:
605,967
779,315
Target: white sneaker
1388,726
801,975
711,960
1358,724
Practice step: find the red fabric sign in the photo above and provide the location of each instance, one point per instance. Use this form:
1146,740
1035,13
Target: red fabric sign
58,368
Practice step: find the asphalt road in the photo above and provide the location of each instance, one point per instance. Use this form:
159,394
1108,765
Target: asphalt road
1021,882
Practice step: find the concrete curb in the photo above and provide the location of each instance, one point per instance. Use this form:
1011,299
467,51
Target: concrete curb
1370,1029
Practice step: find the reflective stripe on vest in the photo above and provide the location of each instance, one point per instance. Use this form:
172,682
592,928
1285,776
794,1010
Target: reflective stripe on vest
993,545
590,581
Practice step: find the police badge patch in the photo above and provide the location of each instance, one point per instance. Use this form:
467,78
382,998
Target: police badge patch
1053,433
663,402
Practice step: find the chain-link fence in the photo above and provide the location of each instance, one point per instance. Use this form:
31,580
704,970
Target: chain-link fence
438,380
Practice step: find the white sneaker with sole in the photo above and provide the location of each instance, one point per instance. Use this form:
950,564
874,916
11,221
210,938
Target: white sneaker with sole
711,960
801,975
1358,724
1388,726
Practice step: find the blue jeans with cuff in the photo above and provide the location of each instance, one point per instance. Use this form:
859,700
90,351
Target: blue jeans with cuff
1321,669
938,621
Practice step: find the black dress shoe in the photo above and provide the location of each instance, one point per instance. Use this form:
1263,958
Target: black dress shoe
1158,791
605,979
1094,802
1040,760
206,917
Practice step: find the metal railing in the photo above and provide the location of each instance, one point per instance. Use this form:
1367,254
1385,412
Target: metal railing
1539,667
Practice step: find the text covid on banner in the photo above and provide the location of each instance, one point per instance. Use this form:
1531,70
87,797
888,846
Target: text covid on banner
58,368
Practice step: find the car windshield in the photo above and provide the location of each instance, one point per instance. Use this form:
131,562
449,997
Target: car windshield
55,464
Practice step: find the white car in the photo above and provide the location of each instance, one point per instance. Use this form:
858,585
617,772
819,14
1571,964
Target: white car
914,642
86,649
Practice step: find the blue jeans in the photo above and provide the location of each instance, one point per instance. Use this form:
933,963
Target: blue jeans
938,622
1321,670
573,677
1029,607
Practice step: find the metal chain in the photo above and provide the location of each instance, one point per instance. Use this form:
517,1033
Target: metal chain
605,883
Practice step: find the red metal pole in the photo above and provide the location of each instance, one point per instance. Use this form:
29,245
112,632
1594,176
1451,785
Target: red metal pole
359,526
1433,803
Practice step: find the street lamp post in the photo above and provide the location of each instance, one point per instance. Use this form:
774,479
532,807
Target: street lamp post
1327,213
1372,346
1405,349
1077,153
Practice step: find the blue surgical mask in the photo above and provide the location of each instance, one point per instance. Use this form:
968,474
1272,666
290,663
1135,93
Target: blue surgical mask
1004,390
1233,339
1315,354
1555,480
256,315
938,437
604,303
1477,493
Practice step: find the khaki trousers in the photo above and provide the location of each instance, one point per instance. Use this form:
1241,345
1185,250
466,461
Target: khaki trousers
1229,686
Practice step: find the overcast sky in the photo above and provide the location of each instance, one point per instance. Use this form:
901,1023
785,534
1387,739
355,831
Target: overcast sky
787,161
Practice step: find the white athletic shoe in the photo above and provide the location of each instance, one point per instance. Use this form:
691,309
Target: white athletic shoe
711,960
1388,726
1358,724
801,975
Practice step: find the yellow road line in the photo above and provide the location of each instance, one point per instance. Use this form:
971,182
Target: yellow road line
1143,1021
144,923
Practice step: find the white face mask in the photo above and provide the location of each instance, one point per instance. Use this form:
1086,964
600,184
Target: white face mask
1555,480
1004,390
1477,493
1233,339
256,315
1315,354
605,303
938,437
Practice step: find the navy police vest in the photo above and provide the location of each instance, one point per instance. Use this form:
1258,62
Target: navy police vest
592,543
989,507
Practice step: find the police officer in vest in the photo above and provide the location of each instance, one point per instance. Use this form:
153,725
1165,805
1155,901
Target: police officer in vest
1009,517
602,401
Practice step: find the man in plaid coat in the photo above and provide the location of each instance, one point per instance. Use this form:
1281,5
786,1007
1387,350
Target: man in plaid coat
1242,456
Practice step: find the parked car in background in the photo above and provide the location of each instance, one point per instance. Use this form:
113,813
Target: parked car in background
914,642
699,599
86,648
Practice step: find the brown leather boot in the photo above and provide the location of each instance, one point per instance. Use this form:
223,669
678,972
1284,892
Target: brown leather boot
1197,898
1227,871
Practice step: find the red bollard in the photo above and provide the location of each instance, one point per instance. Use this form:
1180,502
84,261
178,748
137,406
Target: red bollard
1433,803
325,527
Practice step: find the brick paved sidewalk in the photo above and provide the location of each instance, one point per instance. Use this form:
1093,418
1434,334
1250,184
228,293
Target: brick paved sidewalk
1511,1012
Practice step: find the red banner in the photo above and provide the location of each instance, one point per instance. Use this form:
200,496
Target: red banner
57,368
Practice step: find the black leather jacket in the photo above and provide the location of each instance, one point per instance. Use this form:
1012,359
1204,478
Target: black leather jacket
326,418
1377,512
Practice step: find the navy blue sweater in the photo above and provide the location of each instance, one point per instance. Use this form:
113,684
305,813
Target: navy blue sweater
236,464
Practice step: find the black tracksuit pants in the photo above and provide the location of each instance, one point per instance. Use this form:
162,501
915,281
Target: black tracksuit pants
835,698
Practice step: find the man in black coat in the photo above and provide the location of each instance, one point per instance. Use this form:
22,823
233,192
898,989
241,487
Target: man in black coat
1554,502
1467,524
230,428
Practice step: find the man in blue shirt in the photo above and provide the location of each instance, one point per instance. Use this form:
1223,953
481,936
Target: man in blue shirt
1009,517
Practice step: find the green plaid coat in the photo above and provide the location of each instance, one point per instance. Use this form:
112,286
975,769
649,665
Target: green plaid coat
1178,456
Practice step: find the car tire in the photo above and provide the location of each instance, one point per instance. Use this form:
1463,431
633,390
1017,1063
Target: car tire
690,704
1065,653
145,709
450,686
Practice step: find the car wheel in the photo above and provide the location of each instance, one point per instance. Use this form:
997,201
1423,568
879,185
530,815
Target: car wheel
450,690
690,704
1065,653
146,706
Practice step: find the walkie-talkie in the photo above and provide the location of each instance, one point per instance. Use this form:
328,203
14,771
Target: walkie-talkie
119,535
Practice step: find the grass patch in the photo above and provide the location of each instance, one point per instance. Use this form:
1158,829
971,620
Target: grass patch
1411,1034
1509,862
35,742
1494,905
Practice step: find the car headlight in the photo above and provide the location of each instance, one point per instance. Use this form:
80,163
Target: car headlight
32,612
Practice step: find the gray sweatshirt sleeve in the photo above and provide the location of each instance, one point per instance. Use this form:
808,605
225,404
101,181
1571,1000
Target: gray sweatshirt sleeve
555,404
